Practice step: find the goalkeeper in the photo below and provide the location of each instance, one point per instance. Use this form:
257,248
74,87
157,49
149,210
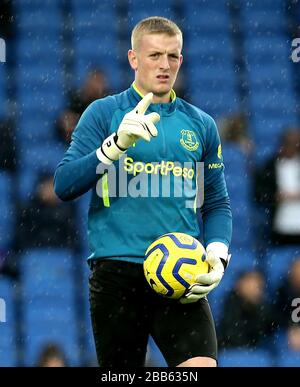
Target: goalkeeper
147,124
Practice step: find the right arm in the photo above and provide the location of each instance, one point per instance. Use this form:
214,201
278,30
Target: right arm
76,173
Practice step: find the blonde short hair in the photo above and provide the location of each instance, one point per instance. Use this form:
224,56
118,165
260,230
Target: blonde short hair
154,25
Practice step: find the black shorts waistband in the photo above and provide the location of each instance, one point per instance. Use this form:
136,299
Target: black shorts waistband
97,261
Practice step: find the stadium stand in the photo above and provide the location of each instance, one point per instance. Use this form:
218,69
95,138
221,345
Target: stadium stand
2,90
48,292
8,339
137,10
278,261
209,53
6,210
243,260
93,46
267,48
236,58
245,358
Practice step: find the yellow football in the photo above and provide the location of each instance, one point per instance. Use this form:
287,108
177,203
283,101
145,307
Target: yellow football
172,263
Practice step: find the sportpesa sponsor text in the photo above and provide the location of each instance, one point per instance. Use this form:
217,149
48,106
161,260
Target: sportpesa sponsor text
163,168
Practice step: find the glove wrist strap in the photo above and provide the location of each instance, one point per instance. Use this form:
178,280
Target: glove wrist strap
220,250
225,262
109,150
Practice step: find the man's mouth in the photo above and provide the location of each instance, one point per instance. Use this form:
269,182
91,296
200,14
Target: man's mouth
163,76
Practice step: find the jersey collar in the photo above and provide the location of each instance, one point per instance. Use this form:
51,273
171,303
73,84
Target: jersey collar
161,108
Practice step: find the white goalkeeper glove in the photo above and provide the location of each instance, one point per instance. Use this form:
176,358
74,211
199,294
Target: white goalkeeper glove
134,126
217,257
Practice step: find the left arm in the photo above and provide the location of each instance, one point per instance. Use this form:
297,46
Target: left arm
216,211
216,215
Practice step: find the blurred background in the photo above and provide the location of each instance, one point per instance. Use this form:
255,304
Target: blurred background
63,54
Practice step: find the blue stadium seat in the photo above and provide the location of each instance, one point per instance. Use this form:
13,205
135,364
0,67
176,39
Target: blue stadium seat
266,131
45,102
245,358
49,302
32,158
264,21
259,5
38,112
82,220
239,188
262,127
95,21
44,331
35,131
277,264
89,351
210,4
7,217
207,16
135,15
273,103
269,77
48,273
34,163
33,21
83,5
209,49
93,46
242,226
213,102
39,81
42,49
285,356
8,352
207,21
27,183
35,4
236,164
220,74
138,10
154,357
211,80
111,68
2,89
93,50
43,76
242,260
298,12
289,359
265,150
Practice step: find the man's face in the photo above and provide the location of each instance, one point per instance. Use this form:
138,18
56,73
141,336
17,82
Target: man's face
156,62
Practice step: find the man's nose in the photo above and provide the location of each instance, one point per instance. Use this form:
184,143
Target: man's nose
164,62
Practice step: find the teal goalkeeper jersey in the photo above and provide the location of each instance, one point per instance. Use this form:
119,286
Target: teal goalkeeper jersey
156,187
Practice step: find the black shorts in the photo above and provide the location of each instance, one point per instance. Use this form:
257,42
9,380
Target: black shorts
125,310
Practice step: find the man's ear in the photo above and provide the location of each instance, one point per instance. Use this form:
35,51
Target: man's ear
180,59
132,58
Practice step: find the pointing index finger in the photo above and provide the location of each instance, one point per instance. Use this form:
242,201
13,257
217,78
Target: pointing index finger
143,105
